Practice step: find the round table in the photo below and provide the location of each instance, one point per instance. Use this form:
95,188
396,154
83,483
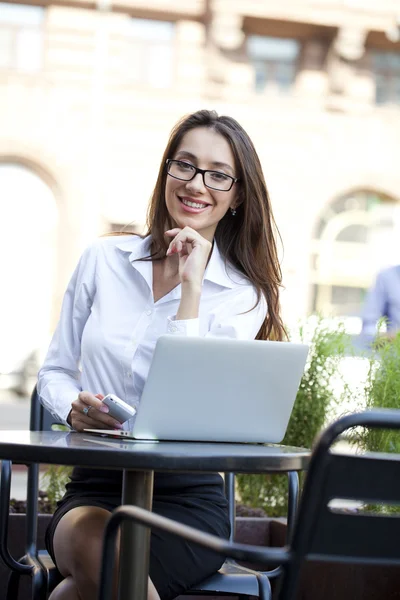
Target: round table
139,459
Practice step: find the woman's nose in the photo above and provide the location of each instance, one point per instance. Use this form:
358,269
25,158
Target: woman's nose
197,183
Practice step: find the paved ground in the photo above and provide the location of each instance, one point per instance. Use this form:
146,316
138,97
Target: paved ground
14,411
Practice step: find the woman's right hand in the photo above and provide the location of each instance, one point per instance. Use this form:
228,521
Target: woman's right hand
89,412
193,251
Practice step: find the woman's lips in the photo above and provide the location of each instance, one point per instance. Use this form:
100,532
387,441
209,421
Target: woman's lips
193,206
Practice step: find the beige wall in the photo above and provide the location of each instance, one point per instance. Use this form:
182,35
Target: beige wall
97,138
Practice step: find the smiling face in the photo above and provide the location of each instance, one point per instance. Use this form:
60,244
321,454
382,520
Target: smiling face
191,203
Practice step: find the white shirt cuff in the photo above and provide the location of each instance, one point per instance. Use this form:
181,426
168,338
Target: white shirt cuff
188,327
61,408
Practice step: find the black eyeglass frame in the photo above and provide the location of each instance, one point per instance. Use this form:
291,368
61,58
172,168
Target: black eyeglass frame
203,172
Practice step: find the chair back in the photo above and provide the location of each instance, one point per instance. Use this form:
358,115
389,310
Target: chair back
324,532
40,418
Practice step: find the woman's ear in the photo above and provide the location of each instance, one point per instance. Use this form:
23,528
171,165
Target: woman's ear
237,201
235,205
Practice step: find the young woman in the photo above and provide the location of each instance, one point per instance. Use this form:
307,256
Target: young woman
208,266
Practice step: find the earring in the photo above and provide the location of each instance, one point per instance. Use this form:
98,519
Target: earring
233,211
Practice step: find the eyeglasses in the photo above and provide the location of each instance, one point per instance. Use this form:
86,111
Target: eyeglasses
215,180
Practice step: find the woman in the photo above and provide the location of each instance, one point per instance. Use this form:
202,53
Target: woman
208,266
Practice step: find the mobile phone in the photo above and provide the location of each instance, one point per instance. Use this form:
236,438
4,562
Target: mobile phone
118,409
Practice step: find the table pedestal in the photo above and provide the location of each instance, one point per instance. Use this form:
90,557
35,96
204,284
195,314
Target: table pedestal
137,489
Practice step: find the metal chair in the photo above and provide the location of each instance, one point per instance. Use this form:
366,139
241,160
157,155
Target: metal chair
232,578
35,561
321,532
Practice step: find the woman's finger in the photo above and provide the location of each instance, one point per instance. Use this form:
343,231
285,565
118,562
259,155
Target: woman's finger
185,240
187,234
89,399
175,247
173,232
93,419
82,407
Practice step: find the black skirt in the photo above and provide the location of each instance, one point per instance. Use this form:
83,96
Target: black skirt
193,499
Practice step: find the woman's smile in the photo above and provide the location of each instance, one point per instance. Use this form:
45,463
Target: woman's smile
193,205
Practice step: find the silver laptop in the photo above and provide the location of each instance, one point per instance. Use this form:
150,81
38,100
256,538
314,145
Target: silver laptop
219,390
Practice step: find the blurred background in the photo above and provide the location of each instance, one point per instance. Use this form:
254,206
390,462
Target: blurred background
90,91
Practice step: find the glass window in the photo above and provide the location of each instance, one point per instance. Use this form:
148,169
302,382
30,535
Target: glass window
340,301
386,70
347,300
21,37
274,61
151,51
352,241
354,233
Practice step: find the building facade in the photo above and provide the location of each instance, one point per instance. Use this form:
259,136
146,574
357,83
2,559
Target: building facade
90,91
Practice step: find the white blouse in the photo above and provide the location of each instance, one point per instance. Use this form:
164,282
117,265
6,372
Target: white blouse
109,322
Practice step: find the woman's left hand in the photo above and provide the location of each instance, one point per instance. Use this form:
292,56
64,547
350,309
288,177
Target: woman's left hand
193,251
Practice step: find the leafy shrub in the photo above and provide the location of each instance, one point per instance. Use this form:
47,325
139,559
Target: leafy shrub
381,390
314,401
44,506
53,481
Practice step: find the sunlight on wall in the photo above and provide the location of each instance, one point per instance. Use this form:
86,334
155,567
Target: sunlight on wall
28,221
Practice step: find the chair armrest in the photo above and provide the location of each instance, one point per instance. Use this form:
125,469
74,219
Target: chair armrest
5,489
227,548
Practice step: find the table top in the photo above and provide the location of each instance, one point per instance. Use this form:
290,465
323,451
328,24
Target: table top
84,449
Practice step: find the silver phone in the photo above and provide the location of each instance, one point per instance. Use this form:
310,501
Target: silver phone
118,409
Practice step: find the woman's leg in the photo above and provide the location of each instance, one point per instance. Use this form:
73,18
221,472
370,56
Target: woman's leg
78,544
66,590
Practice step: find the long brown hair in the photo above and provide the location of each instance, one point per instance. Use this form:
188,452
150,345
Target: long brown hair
246,240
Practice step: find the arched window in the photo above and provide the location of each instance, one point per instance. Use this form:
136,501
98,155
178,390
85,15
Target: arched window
351,243
28,221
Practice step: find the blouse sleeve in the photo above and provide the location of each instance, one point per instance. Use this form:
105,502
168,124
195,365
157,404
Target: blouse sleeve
240,317
59,377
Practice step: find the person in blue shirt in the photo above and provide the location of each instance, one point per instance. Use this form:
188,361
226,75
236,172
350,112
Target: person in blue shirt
383,300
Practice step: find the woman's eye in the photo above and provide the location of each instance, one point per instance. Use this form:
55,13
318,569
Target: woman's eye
219,176
184,166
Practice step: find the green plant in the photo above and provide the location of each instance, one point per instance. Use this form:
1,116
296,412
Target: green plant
314,401
53,482
381,390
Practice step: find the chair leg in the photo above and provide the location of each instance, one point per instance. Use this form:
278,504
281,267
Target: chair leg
39,585
13,586
264,587
288,583
38,579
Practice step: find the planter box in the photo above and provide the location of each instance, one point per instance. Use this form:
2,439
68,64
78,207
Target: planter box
325,581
